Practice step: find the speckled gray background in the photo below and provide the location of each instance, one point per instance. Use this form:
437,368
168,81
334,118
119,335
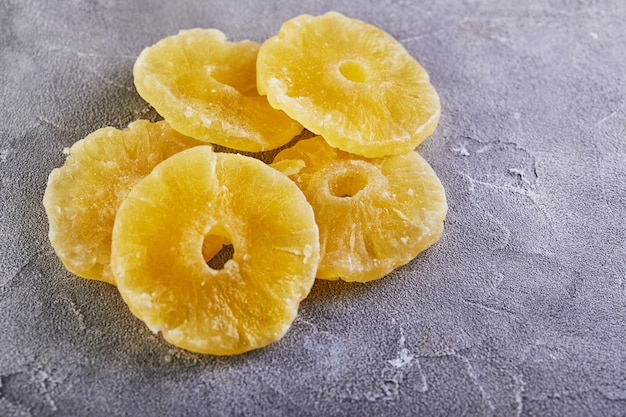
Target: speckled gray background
520,309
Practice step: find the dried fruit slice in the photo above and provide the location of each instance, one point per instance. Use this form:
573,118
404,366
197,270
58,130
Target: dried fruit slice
205,87
158,260
350,82
374,215
82,197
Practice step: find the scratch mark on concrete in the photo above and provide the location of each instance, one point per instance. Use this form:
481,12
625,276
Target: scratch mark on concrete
606,118
49,122
29,390
420,36
80,54
491,309
471,373
43,380
25,265
519,399
505,230
109,81
521,174
405,359
506,187
5,153
461,150
312,325
78,314
610,115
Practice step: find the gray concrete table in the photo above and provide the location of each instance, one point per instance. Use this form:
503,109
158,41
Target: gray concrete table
520,309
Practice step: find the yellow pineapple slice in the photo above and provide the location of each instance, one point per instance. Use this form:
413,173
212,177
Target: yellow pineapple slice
350,82
158,260
205,87
82,197
374,215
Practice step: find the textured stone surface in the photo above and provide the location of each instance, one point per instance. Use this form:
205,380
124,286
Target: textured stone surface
519,310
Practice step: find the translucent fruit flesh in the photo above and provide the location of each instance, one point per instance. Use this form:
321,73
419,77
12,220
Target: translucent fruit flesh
349,82
83,196
374,215
162,273
205,87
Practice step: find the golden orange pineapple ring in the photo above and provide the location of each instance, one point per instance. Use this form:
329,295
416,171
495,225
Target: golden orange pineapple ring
82,197
205,87
374,215
158,261
349,82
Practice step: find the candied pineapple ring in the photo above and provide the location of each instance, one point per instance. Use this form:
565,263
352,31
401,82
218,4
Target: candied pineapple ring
162,273
205,87
82,197
350,82
374,215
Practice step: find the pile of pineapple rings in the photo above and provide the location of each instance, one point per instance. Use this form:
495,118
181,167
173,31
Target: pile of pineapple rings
148,207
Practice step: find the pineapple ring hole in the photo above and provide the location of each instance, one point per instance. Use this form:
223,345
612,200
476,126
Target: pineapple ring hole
353,71
216,251
225,77
219,260
345,179
347,184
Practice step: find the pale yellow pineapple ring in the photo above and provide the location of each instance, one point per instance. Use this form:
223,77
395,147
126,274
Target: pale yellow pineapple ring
205,87
82,197
158,243
374,215
349,82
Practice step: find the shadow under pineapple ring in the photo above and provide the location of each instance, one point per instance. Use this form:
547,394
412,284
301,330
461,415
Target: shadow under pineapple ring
180,215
